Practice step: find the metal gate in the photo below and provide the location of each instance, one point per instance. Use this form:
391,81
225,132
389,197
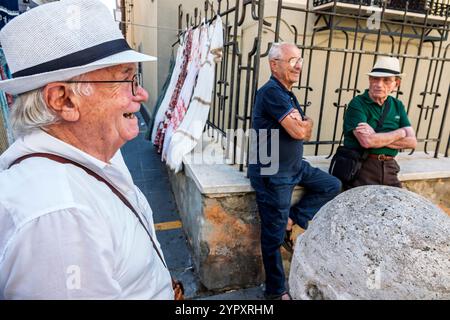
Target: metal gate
340,41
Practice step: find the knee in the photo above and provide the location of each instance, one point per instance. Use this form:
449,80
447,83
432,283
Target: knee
335,186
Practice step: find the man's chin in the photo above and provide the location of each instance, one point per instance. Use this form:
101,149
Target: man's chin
130,135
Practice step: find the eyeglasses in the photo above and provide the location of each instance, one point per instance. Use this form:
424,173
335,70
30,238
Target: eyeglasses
293,61
136,82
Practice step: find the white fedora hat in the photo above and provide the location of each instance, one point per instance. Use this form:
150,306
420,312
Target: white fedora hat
61,40
386,67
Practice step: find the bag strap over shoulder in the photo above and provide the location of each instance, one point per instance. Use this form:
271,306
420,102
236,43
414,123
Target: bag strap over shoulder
380,121
99,178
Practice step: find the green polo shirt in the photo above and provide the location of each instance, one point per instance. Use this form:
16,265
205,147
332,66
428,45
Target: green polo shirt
363,109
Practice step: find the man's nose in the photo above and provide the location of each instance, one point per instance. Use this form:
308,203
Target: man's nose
141,95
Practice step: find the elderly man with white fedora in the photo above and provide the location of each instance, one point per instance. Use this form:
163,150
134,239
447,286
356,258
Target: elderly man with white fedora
72,223
376,124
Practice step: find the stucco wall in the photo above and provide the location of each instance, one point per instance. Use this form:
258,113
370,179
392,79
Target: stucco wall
142,34
223,233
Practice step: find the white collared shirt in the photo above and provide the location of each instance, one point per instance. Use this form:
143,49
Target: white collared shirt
65,235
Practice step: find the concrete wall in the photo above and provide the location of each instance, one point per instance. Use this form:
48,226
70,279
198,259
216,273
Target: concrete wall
223,233
436,190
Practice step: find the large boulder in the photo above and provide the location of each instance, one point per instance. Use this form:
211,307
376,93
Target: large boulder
374,242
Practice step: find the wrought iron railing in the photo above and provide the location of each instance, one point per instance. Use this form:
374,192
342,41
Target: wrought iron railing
338,48
437,8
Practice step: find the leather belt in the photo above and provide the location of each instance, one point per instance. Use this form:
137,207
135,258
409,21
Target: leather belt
381,157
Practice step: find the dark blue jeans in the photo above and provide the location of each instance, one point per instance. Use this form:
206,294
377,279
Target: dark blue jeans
273,196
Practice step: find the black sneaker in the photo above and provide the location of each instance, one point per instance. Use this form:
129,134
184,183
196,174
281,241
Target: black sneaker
288,244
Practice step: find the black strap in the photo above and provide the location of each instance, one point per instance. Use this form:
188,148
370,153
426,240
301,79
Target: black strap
387,107
385,71
380,122
99,178
77,59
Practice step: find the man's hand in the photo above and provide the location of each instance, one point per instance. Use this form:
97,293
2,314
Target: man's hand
364,129
368,138
408,142
309,125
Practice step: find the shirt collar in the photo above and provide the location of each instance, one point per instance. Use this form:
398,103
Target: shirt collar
272,77
369,100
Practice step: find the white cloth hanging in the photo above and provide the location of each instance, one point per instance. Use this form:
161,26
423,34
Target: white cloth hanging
173,81
190,131
198,42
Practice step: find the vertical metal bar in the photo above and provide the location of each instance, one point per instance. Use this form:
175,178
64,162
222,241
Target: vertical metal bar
339,90
233,63
422,40
195,16
226,87
305,27
237,103
123,25
246,105
377,48
363,41
325,78
225,84
310,60
278,21
258,47
403,27
401,40
255,74
441,129
436,91
419,53
180,20
354,45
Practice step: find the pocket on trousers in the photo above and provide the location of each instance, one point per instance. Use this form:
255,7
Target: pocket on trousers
279,191
394,168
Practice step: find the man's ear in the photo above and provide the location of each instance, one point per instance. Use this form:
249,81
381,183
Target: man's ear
273,65
59,97
398,81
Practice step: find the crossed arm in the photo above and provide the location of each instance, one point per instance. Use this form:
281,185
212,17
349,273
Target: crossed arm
402,138
296,127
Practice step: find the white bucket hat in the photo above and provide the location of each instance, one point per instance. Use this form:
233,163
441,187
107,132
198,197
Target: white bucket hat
386,67
61,40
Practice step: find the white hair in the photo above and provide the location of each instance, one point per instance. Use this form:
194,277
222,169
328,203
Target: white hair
277,48
30,112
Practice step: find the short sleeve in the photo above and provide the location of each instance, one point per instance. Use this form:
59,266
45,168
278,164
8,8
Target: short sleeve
353,116
276,103
404,121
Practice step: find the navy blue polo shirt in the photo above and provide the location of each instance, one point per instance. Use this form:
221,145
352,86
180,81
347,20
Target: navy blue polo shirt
273,102
9,9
